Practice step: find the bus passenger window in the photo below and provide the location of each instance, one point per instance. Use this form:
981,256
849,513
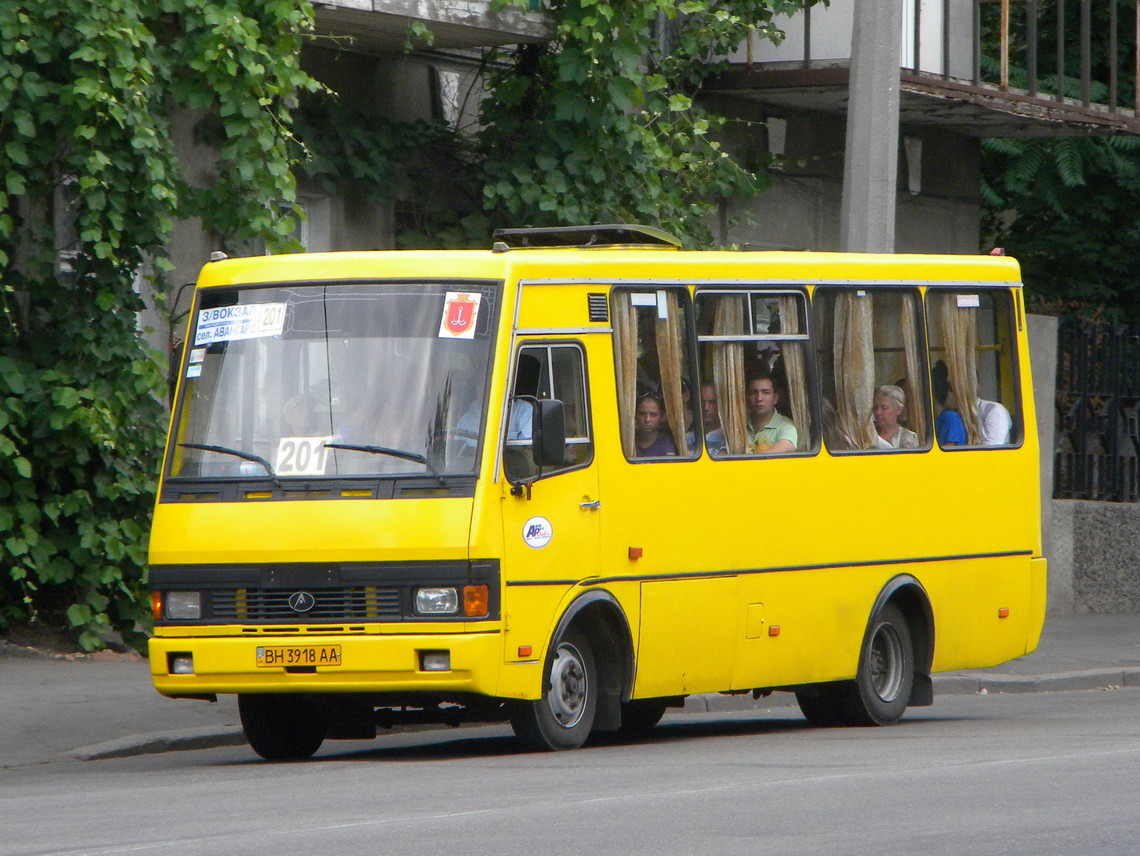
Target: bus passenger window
754,378
547,372
871,358
656,407
972,352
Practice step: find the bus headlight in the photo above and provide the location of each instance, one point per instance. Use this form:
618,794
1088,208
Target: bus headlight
437,601
183,604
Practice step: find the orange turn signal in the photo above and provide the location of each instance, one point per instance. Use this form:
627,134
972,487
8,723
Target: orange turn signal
156,605
1003,612
635,552
525,650
774,630
475,601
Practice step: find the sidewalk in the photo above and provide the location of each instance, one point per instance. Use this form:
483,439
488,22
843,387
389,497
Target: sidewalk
90,708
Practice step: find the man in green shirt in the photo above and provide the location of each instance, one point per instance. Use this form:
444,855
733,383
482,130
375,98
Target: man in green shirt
767,432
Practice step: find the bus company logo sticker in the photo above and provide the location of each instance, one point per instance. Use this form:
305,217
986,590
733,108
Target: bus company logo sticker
537,532
197,355
460,311
301,601
243,321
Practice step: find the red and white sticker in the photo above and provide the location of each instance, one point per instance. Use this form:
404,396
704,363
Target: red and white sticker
460,311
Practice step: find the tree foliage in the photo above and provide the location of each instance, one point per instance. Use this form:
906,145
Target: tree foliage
601,124
1069,210
91,188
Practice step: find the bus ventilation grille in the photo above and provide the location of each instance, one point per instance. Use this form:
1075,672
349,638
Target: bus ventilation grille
332,604
598,309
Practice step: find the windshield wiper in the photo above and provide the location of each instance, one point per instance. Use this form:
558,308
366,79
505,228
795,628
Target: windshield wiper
395,453
237,453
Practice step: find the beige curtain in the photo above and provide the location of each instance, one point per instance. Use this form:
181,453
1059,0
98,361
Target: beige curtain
795,369
670,359
728,370
625,355
960,339
916,379
854,360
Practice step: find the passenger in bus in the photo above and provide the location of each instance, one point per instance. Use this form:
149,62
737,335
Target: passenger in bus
650,440
948,425
767,431
889,404
710,412
994,422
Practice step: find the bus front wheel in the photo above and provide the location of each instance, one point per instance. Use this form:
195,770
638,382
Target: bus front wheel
564,716
281,727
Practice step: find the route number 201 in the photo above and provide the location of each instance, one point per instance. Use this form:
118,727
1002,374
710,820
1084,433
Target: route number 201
301,456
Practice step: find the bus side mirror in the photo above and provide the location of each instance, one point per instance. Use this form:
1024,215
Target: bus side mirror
548,430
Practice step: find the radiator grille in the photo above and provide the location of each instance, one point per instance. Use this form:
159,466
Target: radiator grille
332,604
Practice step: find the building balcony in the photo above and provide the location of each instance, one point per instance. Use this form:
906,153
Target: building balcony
981,68
382,26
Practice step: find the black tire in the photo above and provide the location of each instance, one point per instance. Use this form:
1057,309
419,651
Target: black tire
823,706
882,687
281,727
564,717
640,715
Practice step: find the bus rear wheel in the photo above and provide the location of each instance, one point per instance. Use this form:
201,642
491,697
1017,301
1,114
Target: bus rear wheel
885,678
880,693
564,717
281,727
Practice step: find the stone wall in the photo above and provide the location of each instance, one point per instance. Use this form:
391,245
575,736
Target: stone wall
1095,565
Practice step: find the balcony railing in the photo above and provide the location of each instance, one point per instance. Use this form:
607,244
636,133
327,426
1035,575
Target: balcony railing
1061,56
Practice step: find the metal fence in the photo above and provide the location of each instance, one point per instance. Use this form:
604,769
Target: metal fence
1098,412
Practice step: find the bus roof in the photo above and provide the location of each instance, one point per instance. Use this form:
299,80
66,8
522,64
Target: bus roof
613,265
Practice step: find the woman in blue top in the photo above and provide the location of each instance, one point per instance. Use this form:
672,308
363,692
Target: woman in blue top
948,425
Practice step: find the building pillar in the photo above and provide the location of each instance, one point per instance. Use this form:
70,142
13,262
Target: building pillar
870,169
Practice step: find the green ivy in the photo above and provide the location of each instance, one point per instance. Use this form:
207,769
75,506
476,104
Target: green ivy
91,189
603,123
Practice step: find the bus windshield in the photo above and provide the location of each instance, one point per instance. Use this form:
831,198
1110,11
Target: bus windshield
335,381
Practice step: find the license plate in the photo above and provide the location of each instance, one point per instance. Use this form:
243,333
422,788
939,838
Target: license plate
298,655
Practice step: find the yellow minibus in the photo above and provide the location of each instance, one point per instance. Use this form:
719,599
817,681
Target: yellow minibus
571,480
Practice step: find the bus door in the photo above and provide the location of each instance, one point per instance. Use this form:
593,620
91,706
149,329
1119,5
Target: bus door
550,513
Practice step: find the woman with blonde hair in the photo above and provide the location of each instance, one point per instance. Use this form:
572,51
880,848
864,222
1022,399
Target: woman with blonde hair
889,403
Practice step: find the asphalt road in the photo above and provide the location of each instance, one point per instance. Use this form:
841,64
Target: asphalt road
1034,774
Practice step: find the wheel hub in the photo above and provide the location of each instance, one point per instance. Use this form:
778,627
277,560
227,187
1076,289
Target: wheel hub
567,695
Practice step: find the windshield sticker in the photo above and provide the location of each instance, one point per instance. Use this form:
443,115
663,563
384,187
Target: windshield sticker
301,456
244,321
460,310
537,532
194,370
197,355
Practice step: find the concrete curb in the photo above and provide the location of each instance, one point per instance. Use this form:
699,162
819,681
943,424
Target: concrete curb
966,683
207,737
1089,679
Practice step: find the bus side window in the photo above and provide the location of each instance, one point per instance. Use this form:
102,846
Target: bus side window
657,402
548,372
753,344
973,367
871,355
